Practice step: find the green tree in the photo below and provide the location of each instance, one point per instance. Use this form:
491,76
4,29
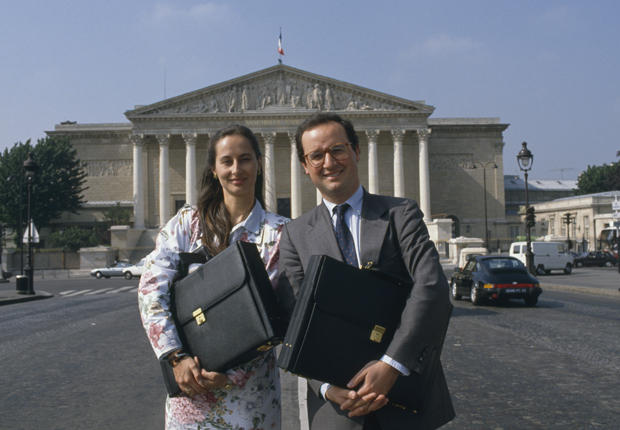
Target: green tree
57,185
598,179
117,215
73,238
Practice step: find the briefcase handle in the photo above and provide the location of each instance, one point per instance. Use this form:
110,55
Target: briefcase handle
370,266
199,256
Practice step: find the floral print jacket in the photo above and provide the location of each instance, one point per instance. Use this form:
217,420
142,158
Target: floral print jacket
183,234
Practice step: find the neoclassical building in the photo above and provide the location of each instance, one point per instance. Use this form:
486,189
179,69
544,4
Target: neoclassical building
153,163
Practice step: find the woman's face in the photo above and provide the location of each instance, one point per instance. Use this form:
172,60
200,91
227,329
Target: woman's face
236,166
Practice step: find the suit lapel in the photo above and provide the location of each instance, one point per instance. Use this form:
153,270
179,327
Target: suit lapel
373,227
321,236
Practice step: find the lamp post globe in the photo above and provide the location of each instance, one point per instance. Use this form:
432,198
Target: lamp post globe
30,168
525,159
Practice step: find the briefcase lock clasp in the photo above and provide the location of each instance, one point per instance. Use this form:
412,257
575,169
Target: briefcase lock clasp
199,316
265,347
377,333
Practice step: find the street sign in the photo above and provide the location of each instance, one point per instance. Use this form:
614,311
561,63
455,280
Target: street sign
35,234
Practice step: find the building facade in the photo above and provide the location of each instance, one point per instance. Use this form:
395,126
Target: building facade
589,225
153,163
539,190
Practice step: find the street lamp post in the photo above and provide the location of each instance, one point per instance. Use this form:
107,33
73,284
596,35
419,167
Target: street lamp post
30,167
525,159
483,166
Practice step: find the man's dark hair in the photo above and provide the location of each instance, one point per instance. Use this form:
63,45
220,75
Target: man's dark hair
324,118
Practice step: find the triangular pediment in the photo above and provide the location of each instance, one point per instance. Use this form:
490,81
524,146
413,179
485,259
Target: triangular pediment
279,89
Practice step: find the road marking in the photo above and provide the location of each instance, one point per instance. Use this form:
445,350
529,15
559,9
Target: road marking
118,290
77,293
302,392
62,293
101,291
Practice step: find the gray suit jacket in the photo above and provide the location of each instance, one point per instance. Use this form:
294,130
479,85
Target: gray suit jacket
394,238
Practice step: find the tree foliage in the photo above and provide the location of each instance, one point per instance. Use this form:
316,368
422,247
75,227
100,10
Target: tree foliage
598,179
73,238
117,215
57,185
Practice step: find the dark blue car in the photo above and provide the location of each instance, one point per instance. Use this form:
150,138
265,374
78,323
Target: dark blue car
493,277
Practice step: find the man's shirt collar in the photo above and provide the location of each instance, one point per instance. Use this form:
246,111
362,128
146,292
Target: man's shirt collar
355,201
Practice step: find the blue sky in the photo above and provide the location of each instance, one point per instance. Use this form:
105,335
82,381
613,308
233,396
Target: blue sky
549,68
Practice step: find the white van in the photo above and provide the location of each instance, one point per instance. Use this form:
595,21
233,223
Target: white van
548,256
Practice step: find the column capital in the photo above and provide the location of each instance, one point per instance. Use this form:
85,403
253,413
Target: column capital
373,135
163,139
269,136
137,139
423,133
190,138
398,134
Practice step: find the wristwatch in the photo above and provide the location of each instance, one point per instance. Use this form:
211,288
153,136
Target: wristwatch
176,356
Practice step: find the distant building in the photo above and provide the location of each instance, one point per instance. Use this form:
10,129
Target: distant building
592,222
539,190
152,163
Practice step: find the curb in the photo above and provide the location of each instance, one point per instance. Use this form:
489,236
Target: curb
581,289
20,298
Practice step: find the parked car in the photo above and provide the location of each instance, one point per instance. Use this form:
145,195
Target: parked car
116,269
596,258
494,277
548,256
134,271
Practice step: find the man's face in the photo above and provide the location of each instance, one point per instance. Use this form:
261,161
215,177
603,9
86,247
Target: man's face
337,180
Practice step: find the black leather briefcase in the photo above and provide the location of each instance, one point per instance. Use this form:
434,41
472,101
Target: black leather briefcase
226,311
344,318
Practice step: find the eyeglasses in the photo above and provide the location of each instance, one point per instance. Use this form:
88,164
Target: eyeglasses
339,152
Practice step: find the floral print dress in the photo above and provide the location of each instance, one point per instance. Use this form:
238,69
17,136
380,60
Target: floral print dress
253,401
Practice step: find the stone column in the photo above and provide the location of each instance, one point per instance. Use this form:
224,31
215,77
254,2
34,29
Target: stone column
425,176
295,179
138,186
373,162
271,201
164,179
399,169
190,167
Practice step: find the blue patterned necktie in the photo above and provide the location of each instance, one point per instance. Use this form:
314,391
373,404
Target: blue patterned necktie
344,237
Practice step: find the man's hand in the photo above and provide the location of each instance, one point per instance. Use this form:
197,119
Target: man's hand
192,379
376,379
341,396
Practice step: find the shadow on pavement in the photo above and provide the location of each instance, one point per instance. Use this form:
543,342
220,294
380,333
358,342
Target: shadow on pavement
467,312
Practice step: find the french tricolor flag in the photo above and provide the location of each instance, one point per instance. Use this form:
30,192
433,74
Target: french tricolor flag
280,50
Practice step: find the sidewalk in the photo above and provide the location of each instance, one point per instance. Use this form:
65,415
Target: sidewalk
9,294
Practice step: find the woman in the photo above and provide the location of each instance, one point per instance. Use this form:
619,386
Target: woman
229,209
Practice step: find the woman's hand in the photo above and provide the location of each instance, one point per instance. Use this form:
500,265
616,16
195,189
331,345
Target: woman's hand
192,379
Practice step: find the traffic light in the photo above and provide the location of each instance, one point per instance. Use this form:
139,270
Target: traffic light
530,217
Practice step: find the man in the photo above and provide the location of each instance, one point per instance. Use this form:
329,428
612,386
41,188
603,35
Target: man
360,228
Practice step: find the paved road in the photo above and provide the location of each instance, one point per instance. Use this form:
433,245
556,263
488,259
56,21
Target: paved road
82,361
555,366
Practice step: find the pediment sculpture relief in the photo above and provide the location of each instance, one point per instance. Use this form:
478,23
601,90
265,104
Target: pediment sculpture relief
289,92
